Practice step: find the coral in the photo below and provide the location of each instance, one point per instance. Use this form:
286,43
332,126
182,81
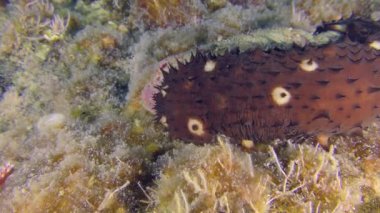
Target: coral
211,179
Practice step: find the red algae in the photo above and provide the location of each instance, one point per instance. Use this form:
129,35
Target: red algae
5,171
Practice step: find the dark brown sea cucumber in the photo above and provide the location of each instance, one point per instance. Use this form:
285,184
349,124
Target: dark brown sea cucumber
263,95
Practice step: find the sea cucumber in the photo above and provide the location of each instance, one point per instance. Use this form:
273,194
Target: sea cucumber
261,95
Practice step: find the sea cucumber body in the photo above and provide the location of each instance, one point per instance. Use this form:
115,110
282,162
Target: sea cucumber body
263,95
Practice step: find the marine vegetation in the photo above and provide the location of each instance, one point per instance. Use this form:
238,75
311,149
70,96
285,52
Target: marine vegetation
77,130
223,178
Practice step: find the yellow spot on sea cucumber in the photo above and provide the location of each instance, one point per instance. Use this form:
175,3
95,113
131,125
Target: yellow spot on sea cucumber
375,45
339,27
209,66
323,139
195,126
308,65
248,144
280,96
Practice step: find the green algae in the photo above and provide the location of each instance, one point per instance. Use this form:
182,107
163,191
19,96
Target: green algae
86,113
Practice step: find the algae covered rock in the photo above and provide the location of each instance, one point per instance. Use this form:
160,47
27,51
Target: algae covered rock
222,178
71,121
308,177
211,179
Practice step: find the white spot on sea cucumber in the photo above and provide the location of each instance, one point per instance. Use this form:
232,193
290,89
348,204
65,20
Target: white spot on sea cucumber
375,45
164,121
209,66
195,126
280,96
308,65
339,27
